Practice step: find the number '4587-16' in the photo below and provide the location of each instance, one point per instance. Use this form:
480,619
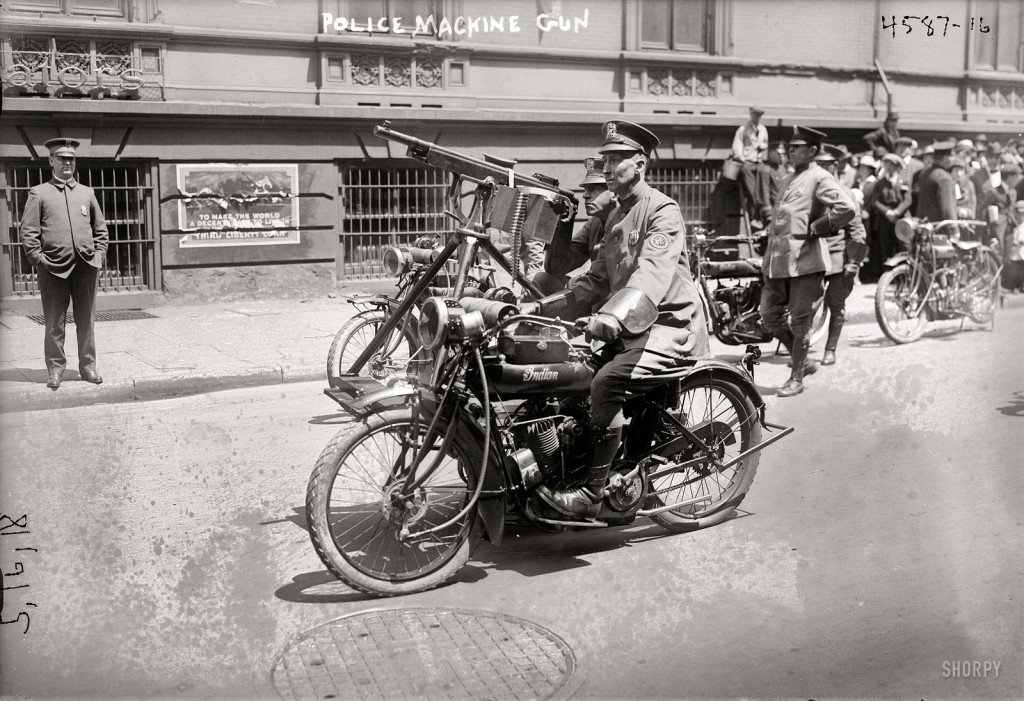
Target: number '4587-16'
932,25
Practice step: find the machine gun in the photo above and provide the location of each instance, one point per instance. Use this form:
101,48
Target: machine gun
531,206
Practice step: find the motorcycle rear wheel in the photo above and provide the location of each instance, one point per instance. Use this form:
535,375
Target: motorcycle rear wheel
896,298
722,415
388,362
984,277
355,520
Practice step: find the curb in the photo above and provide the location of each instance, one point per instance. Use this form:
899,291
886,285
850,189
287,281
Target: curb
75,394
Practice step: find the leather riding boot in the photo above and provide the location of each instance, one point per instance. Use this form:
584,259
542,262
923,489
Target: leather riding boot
835,327
795,383
586,500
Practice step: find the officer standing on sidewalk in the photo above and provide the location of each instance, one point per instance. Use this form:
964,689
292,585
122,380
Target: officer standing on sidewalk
811,208
65,237
847,250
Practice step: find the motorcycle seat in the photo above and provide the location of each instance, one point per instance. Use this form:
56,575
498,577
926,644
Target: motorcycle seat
732,268
965,245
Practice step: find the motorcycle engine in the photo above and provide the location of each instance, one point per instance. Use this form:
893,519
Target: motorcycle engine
552,441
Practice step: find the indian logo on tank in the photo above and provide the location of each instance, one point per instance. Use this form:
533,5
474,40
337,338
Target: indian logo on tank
532,374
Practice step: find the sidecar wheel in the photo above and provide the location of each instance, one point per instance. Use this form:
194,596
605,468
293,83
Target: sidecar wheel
355,519
896,299
722,416
389,361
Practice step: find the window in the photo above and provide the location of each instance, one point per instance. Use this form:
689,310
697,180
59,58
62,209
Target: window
677,25
362,11
101,8
999,49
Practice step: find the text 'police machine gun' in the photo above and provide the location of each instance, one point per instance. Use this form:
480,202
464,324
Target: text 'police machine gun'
524,207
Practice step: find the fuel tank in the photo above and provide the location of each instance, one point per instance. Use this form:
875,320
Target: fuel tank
512,380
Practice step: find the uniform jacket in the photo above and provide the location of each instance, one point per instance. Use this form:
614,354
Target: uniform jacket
563,256
750,142
645,249
850,245
937,195
811,207
61,225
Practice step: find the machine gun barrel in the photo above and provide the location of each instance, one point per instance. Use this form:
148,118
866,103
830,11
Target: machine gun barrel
461,164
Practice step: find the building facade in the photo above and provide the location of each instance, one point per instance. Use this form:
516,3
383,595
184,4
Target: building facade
231,141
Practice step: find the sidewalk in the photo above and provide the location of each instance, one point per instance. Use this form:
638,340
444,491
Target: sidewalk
203,348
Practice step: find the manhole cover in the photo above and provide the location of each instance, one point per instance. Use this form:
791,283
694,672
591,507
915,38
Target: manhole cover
110,315
429,653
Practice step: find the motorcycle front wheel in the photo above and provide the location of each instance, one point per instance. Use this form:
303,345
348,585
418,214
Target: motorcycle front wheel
983,277
389,361
375,533
723,416
898,307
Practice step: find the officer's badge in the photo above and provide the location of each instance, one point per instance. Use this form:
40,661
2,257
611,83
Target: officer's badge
634,236
588,163
659,241
610,131
85,210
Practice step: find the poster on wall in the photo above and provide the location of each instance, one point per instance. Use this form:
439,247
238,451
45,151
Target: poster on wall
238,204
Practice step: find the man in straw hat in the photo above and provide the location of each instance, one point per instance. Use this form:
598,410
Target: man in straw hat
649,311
65,237
811,208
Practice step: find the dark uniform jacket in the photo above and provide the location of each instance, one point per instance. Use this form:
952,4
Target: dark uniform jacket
811,207
565,256
937,195
62,224
643,259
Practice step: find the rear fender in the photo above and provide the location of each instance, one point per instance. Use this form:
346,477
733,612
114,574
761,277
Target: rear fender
719,369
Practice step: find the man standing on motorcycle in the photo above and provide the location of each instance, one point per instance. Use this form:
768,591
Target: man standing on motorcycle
847,250
811,208
649,311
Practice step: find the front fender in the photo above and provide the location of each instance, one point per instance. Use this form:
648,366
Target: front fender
897,259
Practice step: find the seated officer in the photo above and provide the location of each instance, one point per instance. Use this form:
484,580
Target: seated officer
649,313
566,254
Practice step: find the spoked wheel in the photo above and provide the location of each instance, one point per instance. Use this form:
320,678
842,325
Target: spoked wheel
389,361
984,283
377,531
898,305
725,419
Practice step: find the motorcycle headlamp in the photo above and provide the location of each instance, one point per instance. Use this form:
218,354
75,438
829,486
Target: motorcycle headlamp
397,261
905,231
443,320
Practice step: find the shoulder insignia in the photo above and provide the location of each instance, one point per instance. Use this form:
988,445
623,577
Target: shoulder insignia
85,210
659,241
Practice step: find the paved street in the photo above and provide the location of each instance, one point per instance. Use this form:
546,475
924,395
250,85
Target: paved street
880,541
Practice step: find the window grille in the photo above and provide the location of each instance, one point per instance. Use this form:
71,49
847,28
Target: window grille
690,186
389,206
125,197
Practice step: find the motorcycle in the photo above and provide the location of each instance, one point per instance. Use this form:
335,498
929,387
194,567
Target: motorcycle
938,277
728,273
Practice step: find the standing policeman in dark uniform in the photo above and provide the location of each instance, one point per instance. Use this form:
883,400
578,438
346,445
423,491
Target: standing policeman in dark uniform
649,312
65,237
811,208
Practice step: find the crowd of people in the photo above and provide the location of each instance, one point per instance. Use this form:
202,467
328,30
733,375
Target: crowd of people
893,176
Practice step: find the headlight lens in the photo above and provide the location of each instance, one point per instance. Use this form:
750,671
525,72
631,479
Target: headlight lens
434,317
905,230
395,260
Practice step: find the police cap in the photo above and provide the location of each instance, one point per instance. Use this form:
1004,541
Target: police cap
825,157
943,148
806,135
63,147
626,136
838,151
595,171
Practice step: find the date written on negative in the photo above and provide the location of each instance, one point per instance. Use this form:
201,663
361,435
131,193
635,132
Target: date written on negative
931,26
